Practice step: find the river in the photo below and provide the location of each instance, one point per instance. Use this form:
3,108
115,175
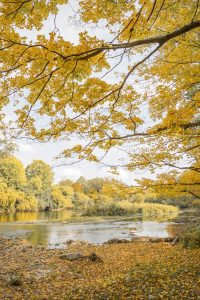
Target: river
53,228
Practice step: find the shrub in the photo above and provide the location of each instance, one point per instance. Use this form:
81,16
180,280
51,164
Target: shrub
157,209
104,209
191,239
125,207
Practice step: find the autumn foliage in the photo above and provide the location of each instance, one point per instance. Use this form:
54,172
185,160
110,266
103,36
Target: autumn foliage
134,270
136,89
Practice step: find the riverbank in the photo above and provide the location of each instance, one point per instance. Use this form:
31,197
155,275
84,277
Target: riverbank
134,270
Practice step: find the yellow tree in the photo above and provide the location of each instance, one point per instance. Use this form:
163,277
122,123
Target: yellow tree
12,172
151,109
62,196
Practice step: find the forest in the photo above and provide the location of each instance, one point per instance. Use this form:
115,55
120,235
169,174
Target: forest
33,189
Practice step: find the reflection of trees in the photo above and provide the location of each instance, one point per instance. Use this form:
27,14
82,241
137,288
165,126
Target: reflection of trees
39,234
59,215
55,215
36,216
43,232
19,216
26,216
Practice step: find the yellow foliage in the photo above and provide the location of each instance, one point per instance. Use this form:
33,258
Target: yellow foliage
11,199
26,202
61,197
12,172
135,270
151,106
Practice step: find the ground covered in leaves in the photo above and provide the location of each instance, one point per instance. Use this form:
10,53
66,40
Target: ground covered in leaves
135,270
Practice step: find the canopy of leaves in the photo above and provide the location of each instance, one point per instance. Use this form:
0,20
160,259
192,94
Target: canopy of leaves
66,89
12,172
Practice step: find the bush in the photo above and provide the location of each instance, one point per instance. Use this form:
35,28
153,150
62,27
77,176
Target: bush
125,207
191,239
158,209
104,209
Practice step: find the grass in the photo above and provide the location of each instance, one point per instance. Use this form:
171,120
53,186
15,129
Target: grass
191,239
124,208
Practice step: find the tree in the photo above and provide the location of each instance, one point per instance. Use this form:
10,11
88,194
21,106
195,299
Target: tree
7,198
66,182
12,199
173,185
95,185
13,186
81,200
62,196
12,173
83,183
150,112
7,145
26,202
40,178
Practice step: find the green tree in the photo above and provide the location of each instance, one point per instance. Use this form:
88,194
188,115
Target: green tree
40,178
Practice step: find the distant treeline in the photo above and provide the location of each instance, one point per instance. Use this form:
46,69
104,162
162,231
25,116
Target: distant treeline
32,188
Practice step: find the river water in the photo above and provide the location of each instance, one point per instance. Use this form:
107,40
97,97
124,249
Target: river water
53,229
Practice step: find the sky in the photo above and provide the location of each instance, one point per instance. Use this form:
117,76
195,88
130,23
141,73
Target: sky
29,151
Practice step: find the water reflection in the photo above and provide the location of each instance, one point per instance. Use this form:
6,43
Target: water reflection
14,217
36,216
54,228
